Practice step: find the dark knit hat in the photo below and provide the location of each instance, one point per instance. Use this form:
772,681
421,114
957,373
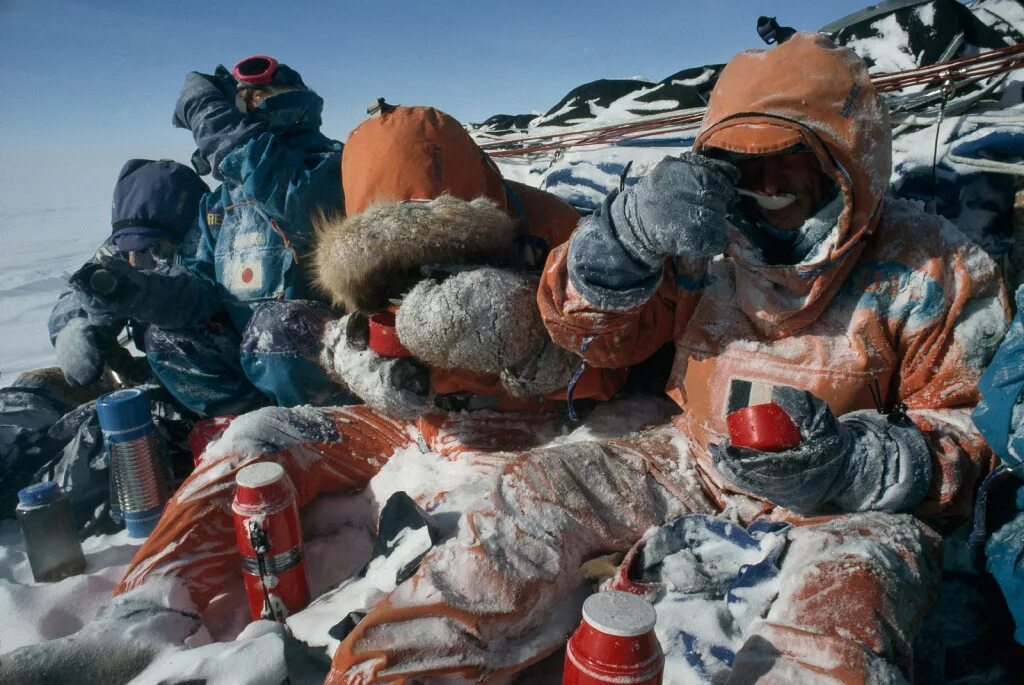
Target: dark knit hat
154,200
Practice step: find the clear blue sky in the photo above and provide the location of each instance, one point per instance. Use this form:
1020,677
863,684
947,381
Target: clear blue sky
87,85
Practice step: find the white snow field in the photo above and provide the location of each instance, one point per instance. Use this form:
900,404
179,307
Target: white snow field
38,251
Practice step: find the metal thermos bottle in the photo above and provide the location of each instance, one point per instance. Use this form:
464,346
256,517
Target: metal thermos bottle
269,539
51,538
139,473
615,643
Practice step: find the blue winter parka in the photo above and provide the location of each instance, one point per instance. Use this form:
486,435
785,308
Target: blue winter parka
256,229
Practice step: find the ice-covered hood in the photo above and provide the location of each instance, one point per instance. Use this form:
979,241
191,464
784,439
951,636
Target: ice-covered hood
807,91
418,191
415,153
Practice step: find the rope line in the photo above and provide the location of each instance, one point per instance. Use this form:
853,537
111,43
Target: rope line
961,72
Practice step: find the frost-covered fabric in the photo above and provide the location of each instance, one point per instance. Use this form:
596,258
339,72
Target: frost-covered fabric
865,461
395,386
679,209
500,594
481,320
709,580
893,299
322,449
213,371
485,321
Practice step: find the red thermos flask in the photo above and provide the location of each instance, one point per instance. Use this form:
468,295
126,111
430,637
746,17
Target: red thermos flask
270,541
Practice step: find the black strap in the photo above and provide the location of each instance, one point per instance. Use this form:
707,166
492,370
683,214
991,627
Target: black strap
143,223
464,401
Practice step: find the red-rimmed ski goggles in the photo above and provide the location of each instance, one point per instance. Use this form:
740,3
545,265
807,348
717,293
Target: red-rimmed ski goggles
257,70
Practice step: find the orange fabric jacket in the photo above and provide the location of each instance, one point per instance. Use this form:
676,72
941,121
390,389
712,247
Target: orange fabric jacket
893,296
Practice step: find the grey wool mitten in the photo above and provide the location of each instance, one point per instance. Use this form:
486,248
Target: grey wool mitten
78,353
862,461
681,208
396,386
485,320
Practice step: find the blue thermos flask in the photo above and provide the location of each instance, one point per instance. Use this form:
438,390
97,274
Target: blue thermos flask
139,475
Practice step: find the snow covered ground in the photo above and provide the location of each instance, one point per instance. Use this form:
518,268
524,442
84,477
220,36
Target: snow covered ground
38,251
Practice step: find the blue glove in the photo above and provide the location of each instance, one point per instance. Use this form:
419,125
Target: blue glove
201,89
865,461
111,286
680,208
78,353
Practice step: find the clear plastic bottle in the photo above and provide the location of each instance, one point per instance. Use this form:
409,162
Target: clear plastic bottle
51,538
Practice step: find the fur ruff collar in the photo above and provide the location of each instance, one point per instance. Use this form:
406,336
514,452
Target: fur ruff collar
362,261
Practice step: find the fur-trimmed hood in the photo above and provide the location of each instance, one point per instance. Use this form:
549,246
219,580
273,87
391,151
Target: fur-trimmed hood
364,260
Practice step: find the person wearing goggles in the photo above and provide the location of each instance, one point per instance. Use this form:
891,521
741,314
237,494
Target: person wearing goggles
257,130
154,212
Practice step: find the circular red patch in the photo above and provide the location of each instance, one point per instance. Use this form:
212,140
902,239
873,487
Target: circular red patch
247,275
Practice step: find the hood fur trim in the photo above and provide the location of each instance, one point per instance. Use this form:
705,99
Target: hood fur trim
362,261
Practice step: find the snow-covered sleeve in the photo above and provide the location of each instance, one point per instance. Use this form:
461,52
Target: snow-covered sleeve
944,344
610,337
1000,414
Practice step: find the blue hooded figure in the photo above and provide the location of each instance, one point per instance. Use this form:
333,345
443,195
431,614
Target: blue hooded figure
152,222
252,333
1000,419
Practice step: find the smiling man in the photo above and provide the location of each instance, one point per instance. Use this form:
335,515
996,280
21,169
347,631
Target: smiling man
772,260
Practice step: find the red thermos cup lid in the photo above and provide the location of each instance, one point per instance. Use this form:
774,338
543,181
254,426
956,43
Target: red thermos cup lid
260,474
619,613
260,485
765,427
384,337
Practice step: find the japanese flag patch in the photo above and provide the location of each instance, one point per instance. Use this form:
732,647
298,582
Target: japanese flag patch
247,276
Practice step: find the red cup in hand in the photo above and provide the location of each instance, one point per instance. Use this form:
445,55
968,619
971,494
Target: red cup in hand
764,427
384,338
